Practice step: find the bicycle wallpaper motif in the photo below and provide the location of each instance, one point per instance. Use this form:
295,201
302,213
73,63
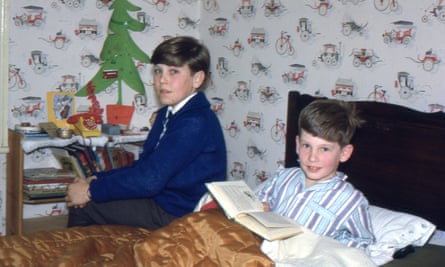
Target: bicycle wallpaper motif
370,50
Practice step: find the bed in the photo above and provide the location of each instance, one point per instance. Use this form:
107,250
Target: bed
398,164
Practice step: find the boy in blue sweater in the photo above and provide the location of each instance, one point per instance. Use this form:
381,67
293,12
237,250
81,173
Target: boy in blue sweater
183,151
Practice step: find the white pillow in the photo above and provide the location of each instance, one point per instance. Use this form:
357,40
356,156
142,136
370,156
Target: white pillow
394,230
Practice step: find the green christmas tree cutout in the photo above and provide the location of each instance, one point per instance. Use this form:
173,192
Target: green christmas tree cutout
119,53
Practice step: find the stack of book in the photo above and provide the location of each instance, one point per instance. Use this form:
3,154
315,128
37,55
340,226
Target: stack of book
87,160
30,131
42,183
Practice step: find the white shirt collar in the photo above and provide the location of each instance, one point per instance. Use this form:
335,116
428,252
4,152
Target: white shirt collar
178,106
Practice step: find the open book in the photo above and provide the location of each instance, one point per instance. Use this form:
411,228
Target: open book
240,203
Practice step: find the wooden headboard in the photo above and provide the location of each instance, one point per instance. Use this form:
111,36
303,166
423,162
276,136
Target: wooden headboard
398,160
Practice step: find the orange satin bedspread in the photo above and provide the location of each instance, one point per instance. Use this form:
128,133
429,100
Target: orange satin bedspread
205,238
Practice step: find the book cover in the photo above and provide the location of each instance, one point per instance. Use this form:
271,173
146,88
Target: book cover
36,135
90,159
47,173
98,157
68,161
240,203
126,158
105,157
135,148
39,191
115,158
122,155
130,158
48,181
93,158
81,159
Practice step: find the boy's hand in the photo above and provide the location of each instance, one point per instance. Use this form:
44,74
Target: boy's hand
77,192
266,206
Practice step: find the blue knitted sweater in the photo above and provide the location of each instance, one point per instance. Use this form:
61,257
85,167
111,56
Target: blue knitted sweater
191,153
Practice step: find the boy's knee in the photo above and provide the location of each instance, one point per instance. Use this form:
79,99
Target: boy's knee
77,217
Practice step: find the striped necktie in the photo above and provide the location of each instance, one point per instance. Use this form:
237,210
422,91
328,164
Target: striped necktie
164,125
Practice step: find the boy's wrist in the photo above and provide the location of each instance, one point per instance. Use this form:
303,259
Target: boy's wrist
88,194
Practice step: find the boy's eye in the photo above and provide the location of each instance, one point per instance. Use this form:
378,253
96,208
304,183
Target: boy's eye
157,71
325,149
305,145
174,71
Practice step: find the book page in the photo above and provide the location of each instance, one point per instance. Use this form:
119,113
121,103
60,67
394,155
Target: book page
243,198
235,197
272,219
239,202
269,233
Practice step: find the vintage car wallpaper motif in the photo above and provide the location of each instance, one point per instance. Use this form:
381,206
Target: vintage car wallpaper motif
370,50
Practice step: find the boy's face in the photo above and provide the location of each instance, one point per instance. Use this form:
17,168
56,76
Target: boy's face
320,158
173,84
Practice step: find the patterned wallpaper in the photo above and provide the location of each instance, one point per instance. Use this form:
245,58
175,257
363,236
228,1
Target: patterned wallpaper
375,50
389,51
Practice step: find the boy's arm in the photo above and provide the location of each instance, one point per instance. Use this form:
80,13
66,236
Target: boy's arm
149,176
359,225
265,192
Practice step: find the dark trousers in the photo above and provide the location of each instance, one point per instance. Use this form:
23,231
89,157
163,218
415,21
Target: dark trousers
133,212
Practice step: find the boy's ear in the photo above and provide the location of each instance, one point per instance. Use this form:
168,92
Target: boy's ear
297,146
198,79
346,152
297,142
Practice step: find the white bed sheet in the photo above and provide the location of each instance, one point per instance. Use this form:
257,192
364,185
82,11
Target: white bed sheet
311,250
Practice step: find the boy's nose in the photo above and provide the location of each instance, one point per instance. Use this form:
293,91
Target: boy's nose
312,156
163,78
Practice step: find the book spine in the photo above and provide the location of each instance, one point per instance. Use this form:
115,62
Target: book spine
78,166
93,161
36,135
48,181
106,157
115,158
110,155
81,158
98,156
67,160
86,160
130,156
123,157
84,150
70,162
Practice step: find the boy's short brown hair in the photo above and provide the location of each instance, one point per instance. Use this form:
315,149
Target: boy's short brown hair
332,120
183,51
